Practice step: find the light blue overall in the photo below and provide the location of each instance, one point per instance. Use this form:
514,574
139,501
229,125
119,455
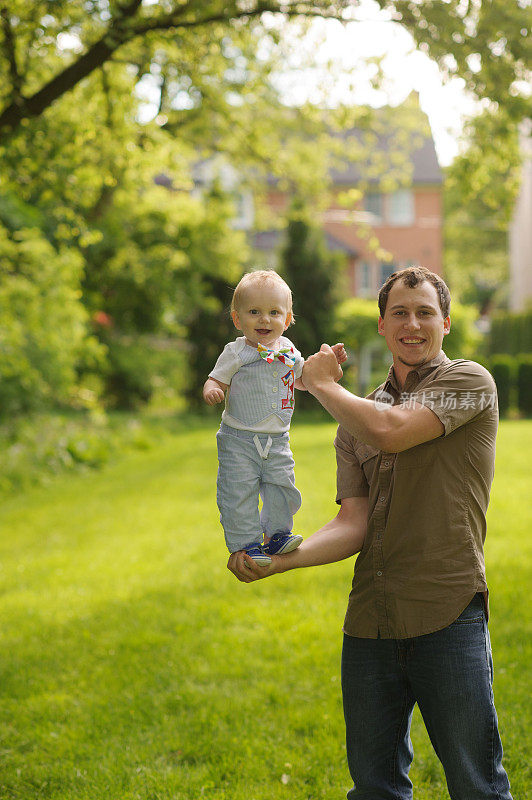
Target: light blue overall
254,462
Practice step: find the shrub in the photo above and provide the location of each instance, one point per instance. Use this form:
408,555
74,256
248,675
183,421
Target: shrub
464,340
511,333
503,371
129,378
43,327
142,366
524,384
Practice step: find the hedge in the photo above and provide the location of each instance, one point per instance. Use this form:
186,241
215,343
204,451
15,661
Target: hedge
503,371
524,384
511,333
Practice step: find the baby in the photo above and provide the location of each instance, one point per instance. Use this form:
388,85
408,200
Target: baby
259,371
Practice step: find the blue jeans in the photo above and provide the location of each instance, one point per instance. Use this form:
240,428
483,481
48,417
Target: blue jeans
449,674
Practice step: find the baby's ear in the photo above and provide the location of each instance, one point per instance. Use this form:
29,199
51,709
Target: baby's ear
236,321
289,320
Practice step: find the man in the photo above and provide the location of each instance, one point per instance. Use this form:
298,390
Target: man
415,464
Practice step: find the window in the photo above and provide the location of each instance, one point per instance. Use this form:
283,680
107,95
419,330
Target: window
401,207
364,279
385,272
373,205
244,211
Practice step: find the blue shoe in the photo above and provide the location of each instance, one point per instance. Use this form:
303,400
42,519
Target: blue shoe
257,552
283,543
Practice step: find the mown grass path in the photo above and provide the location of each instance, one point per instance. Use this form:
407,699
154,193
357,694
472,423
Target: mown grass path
133,665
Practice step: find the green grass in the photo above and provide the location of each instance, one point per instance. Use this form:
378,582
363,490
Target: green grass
133,665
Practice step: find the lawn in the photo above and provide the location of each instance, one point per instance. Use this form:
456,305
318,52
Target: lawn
133,665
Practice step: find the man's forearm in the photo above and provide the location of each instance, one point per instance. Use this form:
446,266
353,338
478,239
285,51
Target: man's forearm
356,414
340,538
391,429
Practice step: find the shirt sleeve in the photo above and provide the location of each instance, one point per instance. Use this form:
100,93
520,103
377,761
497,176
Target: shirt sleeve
227,364
462,391
350,478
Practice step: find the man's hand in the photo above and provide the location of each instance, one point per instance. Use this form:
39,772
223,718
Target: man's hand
247,570
321,368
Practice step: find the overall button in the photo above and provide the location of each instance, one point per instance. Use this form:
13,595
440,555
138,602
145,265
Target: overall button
382,499
379,573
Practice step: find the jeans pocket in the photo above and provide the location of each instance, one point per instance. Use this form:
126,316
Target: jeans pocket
474,612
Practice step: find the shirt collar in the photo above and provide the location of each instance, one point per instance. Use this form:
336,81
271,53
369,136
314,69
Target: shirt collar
418,374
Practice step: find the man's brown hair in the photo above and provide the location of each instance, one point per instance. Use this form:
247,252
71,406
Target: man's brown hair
412,277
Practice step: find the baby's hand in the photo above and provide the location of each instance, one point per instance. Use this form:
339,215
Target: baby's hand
213,396
339,352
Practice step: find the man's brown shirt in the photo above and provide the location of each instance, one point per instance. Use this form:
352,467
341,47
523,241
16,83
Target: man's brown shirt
422,559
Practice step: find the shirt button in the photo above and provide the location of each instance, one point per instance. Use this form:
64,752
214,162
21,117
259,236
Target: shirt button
274,405
274,388
275,374
382,499
379,573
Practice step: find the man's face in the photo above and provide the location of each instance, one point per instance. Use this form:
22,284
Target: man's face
413,324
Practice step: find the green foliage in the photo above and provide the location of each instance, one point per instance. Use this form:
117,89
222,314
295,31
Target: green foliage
147,269
79,167
481,187
488,44
310,273
130,372
216,257
502,367
524,384
356,323
209,328
147,251
37,448
313,275
464,340
43,326
511,333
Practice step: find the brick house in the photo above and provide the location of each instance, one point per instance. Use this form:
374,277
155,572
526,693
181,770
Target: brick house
407,223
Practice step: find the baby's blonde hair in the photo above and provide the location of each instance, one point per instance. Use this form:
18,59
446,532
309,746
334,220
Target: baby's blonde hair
260,277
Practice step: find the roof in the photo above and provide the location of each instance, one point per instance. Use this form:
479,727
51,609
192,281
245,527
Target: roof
423,158
272,240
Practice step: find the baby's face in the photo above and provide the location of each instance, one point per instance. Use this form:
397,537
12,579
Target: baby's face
263,314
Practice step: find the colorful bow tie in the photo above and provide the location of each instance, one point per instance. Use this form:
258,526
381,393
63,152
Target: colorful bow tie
284,355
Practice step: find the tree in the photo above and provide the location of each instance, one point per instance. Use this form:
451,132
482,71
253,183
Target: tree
480,191
312,274
30,29
43,334
486,42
